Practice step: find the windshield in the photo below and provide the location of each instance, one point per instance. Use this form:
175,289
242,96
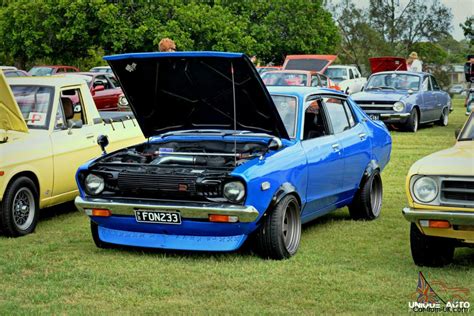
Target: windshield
287,108
35,104
284,79
337,74
41,71
394,81
468,131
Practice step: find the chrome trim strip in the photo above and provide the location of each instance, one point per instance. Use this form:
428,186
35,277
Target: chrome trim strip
395,115
455,218
190,210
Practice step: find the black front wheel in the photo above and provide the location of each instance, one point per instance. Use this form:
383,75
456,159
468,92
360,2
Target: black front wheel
279,235
19,208
428,250
367,203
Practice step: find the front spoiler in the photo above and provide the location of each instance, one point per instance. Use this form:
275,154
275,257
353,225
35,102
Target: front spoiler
187,210
455,218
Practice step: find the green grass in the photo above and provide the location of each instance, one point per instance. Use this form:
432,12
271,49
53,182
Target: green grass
342,266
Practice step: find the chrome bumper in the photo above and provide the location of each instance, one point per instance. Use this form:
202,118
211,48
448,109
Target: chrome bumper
455,218
190,210
394,115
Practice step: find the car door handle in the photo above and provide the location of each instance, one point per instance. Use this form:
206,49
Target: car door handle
336,147
362,136
89,136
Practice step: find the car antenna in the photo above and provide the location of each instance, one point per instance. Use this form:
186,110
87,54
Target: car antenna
235,112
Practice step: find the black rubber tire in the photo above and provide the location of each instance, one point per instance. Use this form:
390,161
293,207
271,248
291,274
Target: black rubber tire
8,225
95,236
367,203
444,119
270,238
413,121
430,251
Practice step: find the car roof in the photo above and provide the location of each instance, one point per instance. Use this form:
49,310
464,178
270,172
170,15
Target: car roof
53,66
304,72
403,73
56,81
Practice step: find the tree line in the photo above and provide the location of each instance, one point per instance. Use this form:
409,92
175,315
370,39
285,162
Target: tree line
81,32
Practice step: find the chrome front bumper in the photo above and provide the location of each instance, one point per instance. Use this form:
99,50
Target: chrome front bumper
455,218
189,210
394,115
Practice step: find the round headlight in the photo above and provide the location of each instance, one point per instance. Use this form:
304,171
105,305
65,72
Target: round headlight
425,189
398,106
234,191
94,184
123,101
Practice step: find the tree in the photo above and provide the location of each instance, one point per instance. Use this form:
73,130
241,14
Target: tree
468,29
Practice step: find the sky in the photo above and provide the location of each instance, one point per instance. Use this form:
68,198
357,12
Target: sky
461,10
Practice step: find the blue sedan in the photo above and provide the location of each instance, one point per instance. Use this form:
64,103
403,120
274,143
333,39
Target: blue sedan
227,159
404,98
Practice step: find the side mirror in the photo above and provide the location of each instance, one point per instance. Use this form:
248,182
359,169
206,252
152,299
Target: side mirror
347,90
275,144
73,124
98,88
457,132
103,142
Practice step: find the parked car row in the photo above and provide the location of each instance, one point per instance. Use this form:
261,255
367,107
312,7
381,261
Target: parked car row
228,159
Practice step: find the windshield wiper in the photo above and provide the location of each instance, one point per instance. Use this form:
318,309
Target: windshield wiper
385,87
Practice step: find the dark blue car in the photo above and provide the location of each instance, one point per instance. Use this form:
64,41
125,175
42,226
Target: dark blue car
227,159
404,98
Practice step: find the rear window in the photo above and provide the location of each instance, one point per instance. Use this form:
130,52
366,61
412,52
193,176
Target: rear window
306,64
41,71
35,104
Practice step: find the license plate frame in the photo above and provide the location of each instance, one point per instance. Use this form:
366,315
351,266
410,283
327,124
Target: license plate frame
167,217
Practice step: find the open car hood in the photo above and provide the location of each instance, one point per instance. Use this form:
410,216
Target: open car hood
194,90
10,115
317,63
378,64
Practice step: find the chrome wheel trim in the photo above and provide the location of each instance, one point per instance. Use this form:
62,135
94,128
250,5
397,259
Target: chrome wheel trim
415,121
291,227
376,196
445,117
23,208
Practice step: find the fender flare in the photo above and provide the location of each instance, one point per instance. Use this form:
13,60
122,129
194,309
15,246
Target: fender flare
284,189
371,167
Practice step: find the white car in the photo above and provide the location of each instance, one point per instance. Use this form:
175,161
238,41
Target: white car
456,89
347,77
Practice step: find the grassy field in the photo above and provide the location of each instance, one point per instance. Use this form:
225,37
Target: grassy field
342,266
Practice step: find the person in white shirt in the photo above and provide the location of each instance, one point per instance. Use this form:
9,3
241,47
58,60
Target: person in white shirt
413,63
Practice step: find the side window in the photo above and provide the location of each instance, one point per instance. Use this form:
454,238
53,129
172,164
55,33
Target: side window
73,105
70,70
60,122
324,80
356,72
337,114
314,81
102,81
314,124
114,81
350,115
434,84
351,74
426,84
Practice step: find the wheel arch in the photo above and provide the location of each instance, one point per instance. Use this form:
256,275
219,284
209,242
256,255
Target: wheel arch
28,174
285,189
369,170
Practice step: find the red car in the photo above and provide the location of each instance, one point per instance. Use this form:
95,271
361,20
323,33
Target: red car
105,89
51,70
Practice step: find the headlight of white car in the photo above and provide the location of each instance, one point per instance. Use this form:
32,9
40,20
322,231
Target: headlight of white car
234,191
94,184
398,106
425,189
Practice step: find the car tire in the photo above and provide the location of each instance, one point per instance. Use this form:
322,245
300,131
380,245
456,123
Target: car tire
413,121
444,119
280,233
428,250
367,202
19,209
95,236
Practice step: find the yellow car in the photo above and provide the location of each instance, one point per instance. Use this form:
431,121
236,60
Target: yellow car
440,191
48,128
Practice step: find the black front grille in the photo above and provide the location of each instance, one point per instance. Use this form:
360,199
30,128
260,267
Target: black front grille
156,182
376,105
457,192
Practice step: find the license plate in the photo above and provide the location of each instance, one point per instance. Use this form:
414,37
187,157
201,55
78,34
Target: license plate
161,217
374,117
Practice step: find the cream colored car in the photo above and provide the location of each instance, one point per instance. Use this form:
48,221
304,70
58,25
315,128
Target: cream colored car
48,128
440,191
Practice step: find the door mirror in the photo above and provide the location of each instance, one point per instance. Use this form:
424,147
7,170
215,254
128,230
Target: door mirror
98,88
73,124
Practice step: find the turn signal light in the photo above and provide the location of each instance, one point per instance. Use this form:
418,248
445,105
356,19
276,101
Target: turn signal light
435,223
101,212
223,218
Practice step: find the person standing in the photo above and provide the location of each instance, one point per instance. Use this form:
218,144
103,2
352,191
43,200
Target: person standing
416,64
167,45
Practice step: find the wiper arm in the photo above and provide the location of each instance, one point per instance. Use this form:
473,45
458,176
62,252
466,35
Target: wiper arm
385,87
